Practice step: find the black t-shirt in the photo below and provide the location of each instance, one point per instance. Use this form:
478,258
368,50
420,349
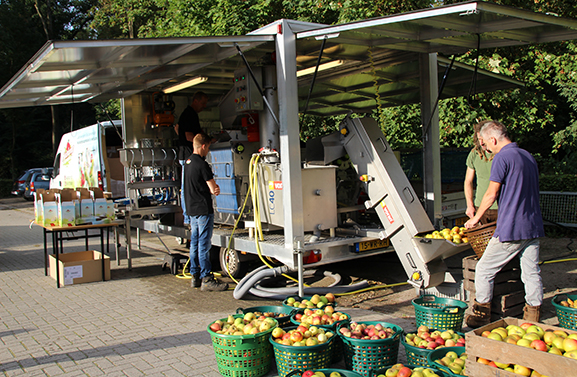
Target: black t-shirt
188,122
196,192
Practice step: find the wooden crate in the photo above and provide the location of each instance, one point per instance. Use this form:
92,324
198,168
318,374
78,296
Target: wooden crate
543,362
508,291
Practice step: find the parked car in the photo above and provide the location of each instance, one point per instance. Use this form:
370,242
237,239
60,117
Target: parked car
19,187
39,175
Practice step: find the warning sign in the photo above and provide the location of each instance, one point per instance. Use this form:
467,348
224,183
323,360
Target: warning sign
387,212
275,185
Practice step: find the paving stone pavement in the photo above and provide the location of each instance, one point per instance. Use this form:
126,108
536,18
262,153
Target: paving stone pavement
128,326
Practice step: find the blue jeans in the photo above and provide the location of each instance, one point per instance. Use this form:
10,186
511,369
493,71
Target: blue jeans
182,202
200,244
496,256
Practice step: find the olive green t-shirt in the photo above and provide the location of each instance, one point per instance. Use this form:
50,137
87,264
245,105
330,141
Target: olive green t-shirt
482,170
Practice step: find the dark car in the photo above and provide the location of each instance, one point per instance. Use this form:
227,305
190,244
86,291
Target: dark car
40,181
19,187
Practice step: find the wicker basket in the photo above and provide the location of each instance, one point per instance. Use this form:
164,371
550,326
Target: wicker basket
480,236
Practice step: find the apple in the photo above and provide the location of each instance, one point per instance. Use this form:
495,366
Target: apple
537,330
483,361
495,336
560,333
572,336
501,365
215,327
548,337
539,345
296,336
450,343
404,372
558,343
501,331
524,343
525,325
422,328
555,350
391,372
312,341
486,333
510,339
569,344
521,370
571,354
492,364
513,329
531,336
308,373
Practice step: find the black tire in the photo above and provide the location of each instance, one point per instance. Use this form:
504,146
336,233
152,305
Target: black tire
28,198
236,267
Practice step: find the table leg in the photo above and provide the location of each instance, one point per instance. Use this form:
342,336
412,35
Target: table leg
55,251
45,255
128,241
102,252
116,240
86,239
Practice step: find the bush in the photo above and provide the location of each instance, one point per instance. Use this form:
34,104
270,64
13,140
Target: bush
558,182
5,187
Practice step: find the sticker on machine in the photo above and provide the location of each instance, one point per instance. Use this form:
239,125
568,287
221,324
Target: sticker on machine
275,185
387,212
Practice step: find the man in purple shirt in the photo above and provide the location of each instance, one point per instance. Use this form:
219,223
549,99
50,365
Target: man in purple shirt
514,183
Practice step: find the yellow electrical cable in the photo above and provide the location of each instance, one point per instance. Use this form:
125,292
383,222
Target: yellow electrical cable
371,288
559,260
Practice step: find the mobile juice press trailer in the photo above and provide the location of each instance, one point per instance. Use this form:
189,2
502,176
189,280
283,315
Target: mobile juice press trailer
258,84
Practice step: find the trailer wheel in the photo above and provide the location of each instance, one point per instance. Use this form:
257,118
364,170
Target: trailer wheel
236,267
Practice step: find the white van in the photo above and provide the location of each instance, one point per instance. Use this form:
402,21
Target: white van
88,157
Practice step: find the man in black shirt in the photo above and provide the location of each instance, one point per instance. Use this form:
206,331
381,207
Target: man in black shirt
198,188
188,126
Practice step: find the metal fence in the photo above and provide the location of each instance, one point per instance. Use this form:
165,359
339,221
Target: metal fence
559,207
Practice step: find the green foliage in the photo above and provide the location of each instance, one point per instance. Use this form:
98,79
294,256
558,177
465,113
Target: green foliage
558,182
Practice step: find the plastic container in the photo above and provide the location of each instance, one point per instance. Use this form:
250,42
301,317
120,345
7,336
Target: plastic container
439,313
439,354
376,372
290,358
242,355
418,356
362,355
567,316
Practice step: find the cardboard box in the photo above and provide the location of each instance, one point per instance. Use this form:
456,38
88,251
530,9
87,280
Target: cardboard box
79,267
67,206
103,207
543,362
86,206
38,217
49,209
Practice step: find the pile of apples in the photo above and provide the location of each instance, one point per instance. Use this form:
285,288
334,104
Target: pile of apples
303,335
246,325
456,363
569,303
533,336
455,234
316,301
366,332
311,373
399,370
427,339
321,317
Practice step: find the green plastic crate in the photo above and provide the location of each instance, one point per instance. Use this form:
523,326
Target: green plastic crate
567,316
439,313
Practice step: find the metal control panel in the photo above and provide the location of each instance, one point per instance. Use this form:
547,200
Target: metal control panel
246,94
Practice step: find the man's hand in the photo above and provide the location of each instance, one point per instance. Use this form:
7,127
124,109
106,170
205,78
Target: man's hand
216,191
471,223
470,212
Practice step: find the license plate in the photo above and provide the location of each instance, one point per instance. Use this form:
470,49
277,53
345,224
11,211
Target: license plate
461,221
370,245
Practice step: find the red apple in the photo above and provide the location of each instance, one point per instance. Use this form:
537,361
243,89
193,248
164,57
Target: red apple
308,373
525,325
215,327
539,345
404,372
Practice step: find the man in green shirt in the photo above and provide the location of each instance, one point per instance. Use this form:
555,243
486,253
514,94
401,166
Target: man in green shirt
479,164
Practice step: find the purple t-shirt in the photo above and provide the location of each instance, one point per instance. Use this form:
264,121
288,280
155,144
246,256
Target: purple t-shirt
519,216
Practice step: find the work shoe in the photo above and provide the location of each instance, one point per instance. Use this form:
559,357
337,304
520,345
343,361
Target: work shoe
210,283
531,313
195,281
480,315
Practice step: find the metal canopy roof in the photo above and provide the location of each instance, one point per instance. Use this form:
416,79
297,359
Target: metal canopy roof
380,54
